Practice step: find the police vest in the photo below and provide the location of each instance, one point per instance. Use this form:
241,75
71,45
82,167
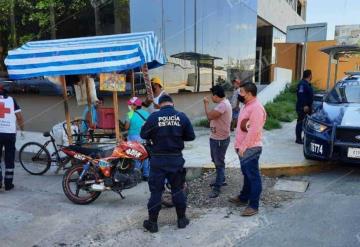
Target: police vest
7,115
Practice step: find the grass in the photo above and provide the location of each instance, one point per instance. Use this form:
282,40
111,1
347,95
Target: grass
204,122
282,109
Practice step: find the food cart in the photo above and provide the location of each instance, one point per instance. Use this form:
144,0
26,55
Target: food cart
88,55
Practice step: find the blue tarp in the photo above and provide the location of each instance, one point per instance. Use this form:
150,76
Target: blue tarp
87,55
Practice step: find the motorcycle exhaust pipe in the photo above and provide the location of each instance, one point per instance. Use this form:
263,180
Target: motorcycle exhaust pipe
98,187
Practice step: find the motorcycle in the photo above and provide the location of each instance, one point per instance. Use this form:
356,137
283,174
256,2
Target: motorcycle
96,173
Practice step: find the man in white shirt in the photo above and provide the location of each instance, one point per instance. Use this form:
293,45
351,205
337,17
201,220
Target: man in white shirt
10,114
158,91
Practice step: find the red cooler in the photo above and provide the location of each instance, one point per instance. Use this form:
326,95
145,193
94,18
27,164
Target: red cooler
106,118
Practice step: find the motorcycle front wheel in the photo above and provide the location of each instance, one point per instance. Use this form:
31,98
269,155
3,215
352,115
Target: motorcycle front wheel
77,190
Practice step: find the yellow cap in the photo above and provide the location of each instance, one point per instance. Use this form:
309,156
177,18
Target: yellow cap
156,80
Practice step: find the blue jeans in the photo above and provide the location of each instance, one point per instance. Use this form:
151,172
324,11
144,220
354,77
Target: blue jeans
218,151
252,180
138,164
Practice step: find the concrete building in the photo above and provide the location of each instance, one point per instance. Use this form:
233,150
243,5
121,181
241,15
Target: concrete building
272,20
237,36
206,42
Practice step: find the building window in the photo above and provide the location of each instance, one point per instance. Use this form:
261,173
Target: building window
191,31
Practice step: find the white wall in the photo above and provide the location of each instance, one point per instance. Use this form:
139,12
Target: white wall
281,78
279,13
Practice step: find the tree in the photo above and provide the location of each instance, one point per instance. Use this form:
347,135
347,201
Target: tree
121,16
52,19
96,5
12,23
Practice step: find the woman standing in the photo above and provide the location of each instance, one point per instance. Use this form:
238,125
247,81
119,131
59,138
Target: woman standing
135,119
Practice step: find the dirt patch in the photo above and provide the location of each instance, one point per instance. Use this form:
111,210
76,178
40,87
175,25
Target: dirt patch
199,190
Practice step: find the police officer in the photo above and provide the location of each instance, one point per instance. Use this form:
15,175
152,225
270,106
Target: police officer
167,129
304,103
10,114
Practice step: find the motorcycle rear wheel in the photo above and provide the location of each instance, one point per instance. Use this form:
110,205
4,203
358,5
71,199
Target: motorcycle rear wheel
71,177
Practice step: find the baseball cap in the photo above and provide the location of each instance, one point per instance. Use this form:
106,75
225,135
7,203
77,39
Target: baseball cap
156,80
135,101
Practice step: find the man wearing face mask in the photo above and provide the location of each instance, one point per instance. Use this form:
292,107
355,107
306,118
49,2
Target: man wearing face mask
157,87
248,146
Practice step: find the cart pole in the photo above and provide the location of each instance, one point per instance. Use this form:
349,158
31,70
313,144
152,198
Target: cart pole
88,96
336,69
133,82
116,113
66,106
329,72
149,91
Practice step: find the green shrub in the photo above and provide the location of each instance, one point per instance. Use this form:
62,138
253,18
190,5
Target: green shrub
272,123
204,122
282,109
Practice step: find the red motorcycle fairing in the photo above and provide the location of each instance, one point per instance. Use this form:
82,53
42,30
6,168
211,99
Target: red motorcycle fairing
130,150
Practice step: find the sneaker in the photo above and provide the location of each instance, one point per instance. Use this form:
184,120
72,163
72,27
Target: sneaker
150,226
9,187
236,200
249,212
214,193
183,222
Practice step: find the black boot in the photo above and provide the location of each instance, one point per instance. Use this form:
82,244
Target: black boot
182,221
151,224
9,187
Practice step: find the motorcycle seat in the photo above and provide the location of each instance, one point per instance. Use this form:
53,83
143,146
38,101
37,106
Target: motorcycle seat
93,152
46,134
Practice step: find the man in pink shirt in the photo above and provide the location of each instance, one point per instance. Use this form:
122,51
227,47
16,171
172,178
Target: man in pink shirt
248,146
220,121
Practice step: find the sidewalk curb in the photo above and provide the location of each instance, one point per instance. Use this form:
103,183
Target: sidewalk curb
272,170
295,169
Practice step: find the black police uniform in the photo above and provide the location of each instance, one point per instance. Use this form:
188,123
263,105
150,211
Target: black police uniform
305,97
167,129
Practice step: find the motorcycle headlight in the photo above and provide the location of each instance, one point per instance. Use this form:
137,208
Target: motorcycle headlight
318,127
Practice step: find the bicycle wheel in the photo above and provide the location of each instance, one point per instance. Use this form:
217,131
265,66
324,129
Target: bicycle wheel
34,158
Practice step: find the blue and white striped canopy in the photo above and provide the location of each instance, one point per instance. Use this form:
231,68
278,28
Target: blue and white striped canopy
87,55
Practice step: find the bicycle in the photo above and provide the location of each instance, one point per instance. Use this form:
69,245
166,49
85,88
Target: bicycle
36,159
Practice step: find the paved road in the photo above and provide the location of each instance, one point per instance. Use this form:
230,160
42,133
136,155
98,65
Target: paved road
37,213
327,215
